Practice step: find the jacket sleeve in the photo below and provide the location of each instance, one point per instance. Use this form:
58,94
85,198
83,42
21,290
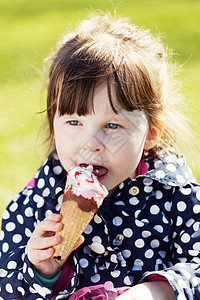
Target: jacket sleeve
183,273
17,279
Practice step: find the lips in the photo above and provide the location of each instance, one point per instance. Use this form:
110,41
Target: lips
98,171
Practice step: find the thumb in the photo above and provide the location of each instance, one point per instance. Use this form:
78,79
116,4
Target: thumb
80,240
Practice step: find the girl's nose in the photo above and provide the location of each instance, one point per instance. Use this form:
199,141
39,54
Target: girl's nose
93,144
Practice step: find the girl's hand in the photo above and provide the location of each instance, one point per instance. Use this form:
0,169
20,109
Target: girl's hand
149,291
40,246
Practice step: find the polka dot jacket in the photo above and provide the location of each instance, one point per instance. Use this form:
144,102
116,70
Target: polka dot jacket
147,226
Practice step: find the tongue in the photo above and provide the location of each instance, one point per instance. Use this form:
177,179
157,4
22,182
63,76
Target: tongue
98,171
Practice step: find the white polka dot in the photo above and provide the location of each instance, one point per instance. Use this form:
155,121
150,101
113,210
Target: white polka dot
125,213
179,249
149,253
171,167
11,265
97,219
40,183
88,229
119,203
181,206
28,232
155,243
196,208
162,254
29,212
158,195
158,228
26,201
189,222
139,243
180,179
168,205
160,174
21,290
46,192
133,201
158,164
146,233
5,247
186,191
147,181
20,219
97,247
196,246
30,272
97,239
117,221
179,221
9,288
95,278
13,207
127,232
17,238
39,200
5,215
113,258
198,195
121,185
148,189
52,181
108,285
154,210
10,226
57,170
126,253
115,273
127,281
2,235
46,170
3,273
84,262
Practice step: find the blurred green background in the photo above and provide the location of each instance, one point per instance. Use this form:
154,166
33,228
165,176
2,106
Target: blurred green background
29,30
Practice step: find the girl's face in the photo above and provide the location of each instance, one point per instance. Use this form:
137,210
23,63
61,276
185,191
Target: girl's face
112,143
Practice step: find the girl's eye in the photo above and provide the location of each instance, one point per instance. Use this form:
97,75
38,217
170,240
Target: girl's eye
74,122
113,126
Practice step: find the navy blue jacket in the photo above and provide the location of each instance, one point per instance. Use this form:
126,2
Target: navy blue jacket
147,226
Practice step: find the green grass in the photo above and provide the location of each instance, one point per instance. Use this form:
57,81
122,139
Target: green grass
29,29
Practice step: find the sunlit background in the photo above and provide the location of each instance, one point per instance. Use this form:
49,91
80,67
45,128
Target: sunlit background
29,30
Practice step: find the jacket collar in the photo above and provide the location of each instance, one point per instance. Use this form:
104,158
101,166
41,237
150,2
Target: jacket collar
169,169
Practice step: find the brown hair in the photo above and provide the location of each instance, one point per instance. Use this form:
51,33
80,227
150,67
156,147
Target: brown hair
128,57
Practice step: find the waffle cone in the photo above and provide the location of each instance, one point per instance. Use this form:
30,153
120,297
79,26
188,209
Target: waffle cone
76,212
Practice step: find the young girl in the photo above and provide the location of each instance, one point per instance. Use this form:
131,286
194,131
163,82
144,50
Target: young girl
107,105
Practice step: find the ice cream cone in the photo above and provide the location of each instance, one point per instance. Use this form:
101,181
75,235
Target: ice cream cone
76,212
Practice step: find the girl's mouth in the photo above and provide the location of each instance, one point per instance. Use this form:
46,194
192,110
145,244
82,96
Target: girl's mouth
98,171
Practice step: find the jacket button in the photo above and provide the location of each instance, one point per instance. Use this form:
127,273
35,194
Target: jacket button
134,190
119,237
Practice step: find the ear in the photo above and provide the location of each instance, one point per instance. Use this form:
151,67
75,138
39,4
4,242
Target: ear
154,134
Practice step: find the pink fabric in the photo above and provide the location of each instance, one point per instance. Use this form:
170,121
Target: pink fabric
156,277
31,183
65,277
98,292
142,168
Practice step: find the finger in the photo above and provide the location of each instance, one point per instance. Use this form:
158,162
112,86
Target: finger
46,226
43,243
37,256
53,217
80,240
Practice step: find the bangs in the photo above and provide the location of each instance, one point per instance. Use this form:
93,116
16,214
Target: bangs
85,75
